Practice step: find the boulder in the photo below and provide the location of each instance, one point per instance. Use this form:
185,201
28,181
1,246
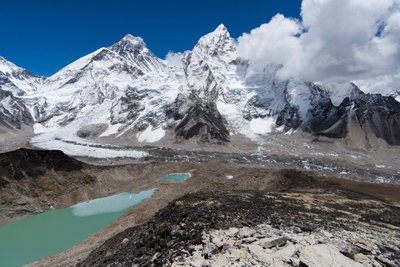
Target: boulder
323,255
271,242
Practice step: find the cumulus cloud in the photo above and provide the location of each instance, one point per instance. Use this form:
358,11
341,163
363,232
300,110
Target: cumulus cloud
335,40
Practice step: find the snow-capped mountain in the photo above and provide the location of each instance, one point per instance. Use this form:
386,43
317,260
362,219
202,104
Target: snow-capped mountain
17,80
13,111
125,92
14,83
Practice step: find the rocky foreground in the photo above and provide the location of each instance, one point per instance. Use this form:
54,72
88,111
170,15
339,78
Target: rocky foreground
316,227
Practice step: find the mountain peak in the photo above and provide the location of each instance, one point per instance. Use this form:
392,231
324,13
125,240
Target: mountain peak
221,29
132,39
7,66
128,46
134,49
219,35
5,61
221,32
217,43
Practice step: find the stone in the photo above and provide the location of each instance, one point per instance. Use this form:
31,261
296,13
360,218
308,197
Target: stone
246,232
249,240
286,253
259,253
386,262
263,230
323,255
235,255
361,258
327,234
297,229
209,249
231,232
271,242
217,241
221,260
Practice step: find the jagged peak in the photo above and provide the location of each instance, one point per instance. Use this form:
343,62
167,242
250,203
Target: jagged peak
129,42
130,45
7,66
217,38
134,49
132,39
217,43
221,33
6,62
221,29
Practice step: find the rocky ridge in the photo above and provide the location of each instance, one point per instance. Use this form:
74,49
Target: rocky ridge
256,228
32,179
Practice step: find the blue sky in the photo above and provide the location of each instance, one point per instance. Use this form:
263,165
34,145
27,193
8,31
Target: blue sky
44,36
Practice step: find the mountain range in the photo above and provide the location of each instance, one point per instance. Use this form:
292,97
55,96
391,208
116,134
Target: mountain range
206,95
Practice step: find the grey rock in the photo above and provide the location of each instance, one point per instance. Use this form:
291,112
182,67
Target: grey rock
323,255
231,232
246,232
273,241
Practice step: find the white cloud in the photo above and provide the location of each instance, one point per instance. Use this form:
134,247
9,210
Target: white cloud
174,59
335,40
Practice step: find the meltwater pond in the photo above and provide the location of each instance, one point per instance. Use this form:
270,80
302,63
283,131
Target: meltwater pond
178,177
48,233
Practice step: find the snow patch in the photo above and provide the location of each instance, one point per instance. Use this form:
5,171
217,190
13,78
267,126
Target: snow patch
262,126
149,135
39,129
112,129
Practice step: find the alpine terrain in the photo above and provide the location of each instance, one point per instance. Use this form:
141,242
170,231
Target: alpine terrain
209,95
203,158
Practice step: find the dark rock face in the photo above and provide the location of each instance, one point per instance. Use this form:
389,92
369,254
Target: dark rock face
15,113
26,163
204,122
197,109
129,106
374,113
179,108
289,116
380,115
384,124
327,119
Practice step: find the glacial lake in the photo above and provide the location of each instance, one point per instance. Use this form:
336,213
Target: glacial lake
38,236
178,177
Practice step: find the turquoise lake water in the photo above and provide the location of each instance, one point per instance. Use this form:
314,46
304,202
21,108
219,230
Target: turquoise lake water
48,233
179,177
